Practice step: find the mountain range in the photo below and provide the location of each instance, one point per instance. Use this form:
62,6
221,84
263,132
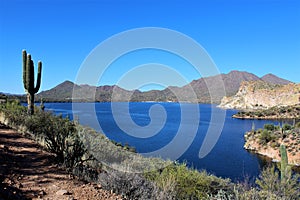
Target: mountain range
232,81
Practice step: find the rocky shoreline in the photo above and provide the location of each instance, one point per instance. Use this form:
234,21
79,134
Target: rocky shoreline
263,118
253,142
277,112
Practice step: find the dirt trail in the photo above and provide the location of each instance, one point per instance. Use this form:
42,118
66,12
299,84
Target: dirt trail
28,172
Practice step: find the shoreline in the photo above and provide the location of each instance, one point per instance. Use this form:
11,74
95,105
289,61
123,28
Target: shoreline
264,118
272,153
273,113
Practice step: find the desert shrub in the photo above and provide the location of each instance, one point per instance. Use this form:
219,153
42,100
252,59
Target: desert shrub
222,195
74,152
94,143
86,173
269,127
259,130
271,185
189,183
244,193
269,180
14,112
239,113
38,123
282,110
287,127
265,137
274,144
277,128
130,185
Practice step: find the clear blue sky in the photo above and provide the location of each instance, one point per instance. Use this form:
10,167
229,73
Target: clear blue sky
256,36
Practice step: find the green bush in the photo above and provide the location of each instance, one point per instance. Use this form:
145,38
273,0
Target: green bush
269,127
265,137
287,127
277,128
259,130
14,112
274,144
130,185
188,183
259,114
270,184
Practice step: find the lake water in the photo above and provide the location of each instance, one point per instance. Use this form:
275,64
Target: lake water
227,159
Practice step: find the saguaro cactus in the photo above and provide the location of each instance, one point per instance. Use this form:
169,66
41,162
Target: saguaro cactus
284,169
28,80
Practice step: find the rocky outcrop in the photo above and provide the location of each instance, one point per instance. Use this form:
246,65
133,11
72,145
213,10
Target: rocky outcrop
267,143
253,95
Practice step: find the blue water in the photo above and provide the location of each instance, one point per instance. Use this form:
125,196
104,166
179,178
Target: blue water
227,159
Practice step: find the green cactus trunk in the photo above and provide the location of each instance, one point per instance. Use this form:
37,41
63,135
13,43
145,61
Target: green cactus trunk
284,163
28,80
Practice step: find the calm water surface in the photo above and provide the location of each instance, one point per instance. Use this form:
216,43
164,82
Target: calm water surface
227,159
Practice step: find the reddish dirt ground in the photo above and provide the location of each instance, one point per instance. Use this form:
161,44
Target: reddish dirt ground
28,172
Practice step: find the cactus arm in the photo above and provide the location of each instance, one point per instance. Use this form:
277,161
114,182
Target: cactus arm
24,69
38,81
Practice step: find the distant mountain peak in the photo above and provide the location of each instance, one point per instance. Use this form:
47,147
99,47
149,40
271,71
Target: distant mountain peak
271,78
238,72
66,83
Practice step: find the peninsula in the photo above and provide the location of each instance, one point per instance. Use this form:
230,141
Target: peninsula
267,141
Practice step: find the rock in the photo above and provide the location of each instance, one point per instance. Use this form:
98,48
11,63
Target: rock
41,193
63,192
19,185
255,95
98,186
2,146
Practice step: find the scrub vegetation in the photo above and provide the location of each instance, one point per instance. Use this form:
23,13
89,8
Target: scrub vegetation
91,156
